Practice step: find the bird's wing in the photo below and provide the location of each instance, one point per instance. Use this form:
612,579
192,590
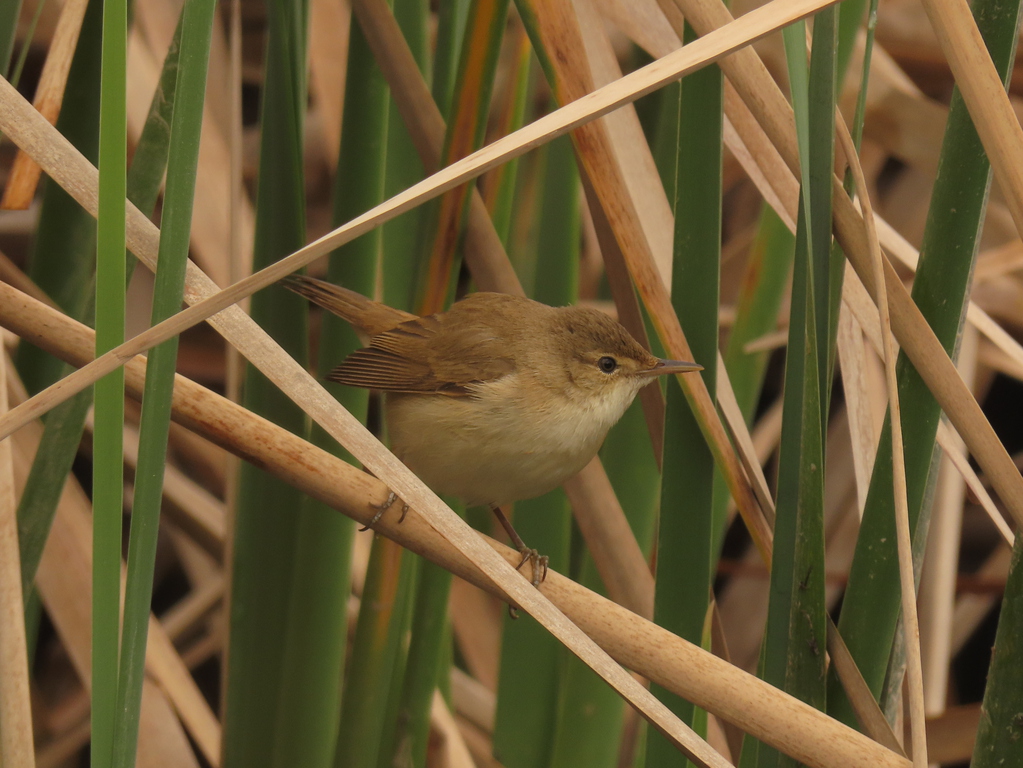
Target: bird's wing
435,354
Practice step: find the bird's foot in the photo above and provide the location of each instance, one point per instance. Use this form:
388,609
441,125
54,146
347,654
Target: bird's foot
538,563
381,508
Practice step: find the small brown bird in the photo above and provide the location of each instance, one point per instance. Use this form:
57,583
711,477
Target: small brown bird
498,399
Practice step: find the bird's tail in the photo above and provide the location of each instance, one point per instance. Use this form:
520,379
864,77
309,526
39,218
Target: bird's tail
365,315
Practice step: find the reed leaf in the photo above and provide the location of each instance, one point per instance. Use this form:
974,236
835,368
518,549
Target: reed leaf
401,238
451,23
265,541
372,675
176,222
686,538
63,265
871,607
999,739
793,650
108,470
466,128
310,705
9,13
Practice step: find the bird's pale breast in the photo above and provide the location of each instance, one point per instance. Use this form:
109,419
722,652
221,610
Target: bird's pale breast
496,448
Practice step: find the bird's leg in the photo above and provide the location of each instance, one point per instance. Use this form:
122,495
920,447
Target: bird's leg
538,562
381,508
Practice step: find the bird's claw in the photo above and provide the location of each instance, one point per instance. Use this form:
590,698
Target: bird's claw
381,508
539,564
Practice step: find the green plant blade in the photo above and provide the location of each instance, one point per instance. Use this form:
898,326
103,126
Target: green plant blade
371,676
466,128
1000,733
451,20
793,655
63,427
404,168
108,467
309,707
686,553
175,231
871,605
265,540
9,12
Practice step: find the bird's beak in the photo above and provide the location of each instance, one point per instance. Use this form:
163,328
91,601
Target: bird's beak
671,366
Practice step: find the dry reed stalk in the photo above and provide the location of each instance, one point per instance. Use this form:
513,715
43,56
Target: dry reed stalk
941,561
635,168
473,701
871,718
24,175
454,752
970,609
610,540
950,738
984,94
16,733
759,709
896,245
861,307
476,620
192,610
564,44
746,450
911,625
329,27
852,355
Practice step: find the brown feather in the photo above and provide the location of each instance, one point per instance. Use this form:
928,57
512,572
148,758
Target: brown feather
428,354
444,353
370,317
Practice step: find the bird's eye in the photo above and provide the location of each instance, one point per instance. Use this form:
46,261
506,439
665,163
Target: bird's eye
607,364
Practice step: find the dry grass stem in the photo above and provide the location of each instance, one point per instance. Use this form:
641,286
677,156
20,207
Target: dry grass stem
904,536
860,306
16,734
610,540
852,356
24,174
984,94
